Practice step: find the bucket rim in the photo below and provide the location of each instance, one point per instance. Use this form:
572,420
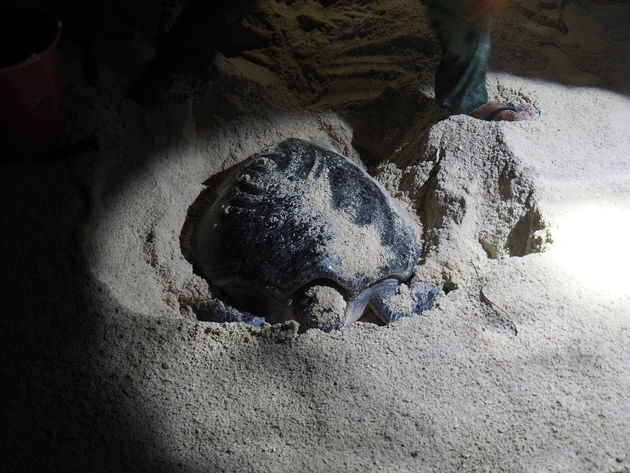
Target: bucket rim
35,56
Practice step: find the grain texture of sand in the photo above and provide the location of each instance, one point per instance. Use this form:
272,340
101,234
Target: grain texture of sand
523,365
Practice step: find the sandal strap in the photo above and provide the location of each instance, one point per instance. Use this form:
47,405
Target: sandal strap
495,114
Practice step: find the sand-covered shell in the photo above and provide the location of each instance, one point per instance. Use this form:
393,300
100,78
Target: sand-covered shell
298,213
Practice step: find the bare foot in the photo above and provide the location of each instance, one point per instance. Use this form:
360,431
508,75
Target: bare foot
494,111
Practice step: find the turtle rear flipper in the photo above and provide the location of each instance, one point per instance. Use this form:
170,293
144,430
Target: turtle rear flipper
216,311
392,300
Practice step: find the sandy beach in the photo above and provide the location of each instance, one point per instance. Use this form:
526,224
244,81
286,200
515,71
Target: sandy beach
523,364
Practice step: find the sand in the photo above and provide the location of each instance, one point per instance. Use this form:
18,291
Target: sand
523,365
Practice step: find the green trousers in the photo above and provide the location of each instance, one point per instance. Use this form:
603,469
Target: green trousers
460,81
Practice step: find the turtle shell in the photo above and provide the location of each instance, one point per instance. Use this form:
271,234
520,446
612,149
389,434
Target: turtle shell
298,213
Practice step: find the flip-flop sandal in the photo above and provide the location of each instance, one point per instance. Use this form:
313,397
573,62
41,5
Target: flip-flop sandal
509,107
492,115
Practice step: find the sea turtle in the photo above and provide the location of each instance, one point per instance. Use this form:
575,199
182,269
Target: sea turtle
300,232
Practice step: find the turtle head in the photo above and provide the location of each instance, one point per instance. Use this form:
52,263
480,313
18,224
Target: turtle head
321,306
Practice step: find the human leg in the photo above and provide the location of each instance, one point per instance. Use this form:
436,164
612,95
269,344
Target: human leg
460,81
463,29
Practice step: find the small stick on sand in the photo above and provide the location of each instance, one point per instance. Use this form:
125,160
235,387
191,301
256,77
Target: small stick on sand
501,313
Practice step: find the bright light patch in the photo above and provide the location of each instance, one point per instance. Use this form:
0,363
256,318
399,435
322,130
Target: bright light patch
593,246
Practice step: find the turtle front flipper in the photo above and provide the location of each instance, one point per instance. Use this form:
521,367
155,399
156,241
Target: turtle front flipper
392,300
216,311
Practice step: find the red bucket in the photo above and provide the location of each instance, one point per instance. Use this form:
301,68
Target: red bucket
32,120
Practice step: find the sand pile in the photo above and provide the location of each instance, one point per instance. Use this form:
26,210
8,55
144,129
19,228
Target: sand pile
523,365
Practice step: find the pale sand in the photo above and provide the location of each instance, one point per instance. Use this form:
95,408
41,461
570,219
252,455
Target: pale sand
110,371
